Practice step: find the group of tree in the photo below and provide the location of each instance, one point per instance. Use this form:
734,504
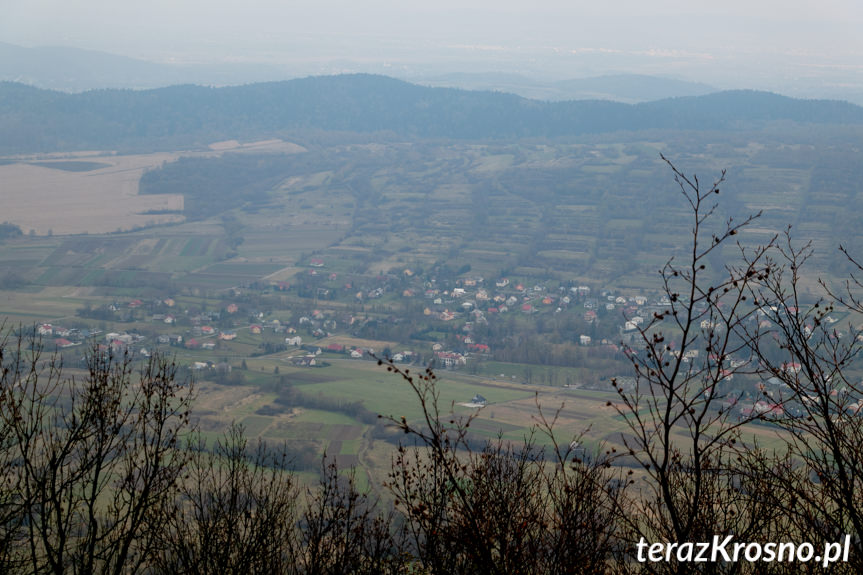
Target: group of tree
34,120
9,230
105,473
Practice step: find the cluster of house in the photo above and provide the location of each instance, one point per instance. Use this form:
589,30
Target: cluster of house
470,295
64,337
468,298
481,303
219,368
310,359
354,352
120,342
449,359
115,342
48,330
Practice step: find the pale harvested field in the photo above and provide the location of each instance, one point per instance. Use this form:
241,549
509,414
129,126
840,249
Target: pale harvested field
261,146
98,201
103,200
283,274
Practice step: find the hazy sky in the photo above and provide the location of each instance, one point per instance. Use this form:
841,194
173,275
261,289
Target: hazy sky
727,42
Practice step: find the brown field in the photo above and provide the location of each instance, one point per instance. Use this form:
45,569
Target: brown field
261,146
100,200
96,201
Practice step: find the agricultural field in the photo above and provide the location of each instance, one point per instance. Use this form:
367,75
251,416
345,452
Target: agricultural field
511,411
361,246
97,192
95,196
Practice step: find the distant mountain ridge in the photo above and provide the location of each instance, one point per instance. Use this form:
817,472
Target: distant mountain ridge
627,88
71,69
76,70
36,120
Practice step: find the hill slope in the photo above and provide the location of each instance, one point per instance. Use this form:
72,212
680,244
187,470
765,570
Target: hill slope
34,120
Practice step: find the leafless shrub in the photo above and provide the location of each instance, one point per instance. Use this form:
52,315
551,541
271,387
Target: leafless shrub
95,460
235,511
504,508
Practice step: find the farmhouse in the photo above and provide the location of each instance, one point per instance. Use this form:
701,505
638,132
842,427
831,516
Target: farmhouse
450,359
304,361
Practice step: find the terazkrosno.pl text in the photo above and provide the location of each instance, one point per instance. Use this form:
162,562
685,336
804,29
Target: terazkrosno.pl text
726,549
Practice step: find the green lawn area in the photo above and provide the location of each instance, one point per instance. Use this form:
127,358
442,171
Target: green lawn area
350,447
389,394
256,425
325,417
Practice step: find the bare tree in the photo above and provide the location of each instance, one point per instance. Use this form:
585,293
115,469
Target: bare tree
499,507
235,511
345,531
808,359
12,534
682,430
95,458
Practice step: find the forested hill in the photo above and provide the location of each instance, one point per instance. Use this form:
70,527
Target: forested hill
33,120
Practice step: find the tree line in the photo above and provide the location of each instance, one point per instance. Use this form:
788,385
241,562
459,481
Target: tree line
35,120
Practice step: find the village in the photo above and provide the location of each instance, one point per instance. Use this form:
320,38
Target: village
452,323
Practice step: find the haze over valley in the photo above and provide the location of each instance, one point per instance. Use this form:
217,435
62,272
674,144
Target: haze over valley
556,223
